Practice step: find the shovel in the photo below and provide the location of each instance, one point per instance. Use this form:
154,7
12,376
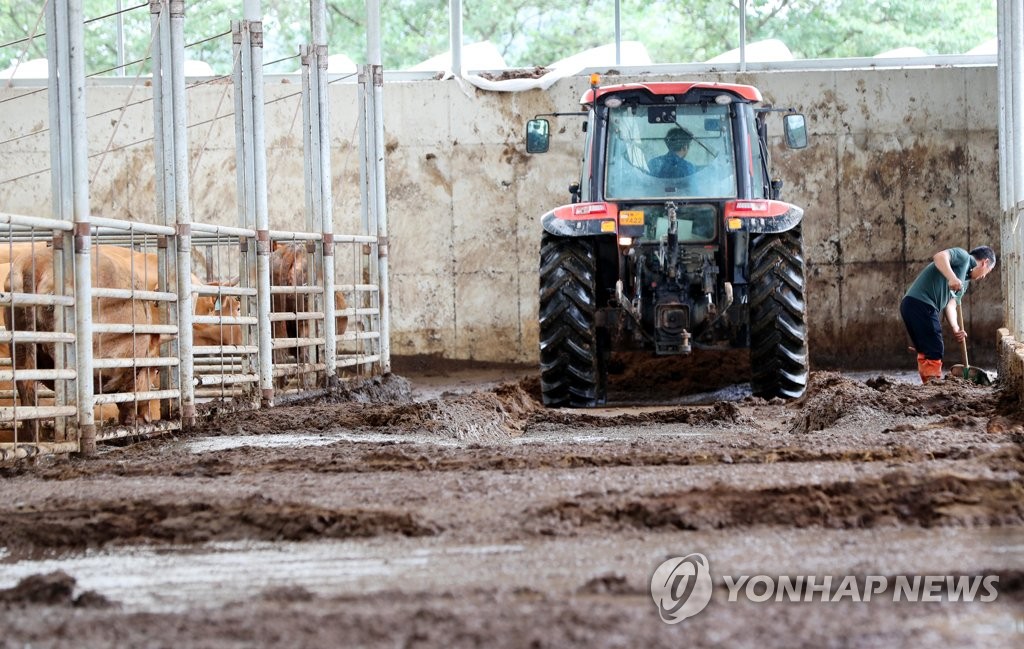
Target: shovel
965,371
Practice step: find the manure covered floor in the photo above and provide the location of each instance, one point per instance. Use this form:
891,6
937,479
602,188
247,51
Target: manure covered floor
443,506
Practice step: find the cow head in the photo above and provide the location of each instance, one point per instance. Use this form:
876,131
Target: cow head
289,264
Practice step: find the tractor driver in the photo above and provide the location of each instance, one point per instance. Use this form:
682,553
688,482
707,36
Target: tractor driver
673,164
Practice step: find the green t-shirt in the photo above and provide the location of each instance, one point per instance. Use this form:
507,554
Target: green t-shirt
932,288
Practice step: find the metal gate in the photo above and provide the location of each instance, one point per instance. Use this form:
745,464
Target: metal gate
113,328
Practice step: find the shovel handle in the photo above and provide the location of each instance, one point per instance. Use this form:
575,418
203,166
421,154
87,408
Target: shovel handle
963,343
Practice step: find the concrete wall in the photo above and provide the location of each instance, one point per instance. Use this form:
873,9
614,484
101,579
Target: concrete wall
902,163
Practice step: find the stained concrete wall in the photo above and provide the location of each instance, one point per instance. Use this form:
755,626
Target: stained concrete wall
902,163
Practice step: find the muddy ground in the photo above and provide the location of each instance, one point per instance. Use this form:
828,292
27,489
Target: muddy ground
443,506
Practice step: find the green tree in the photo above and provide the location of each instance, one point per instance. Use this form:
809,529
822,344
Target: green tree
528,33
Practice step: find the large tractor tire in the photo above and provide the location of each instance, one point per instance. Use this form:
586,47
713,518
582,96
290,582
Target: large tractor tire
572,368
778,325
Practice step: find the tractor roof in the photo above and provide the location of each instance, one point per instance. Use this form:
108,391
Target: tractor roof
749,93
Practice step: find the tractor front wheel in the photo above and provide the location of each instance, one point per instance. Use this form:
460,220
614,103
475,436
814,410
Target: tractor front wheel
572,368
778,326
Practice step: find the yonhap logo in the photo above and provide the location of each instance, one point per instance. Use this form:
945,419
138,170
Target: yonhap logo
681,587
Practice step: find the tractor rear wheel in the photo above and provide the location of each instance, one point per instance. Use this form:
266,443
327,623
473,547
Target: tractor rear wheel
778,326
572,367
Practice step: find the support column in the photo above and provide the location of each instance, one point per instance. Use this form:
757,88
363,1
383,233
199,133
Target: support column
70,160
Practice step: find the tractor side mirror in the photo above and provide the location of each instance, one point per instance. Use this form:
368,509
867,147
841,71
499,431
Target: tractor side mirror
795,128
538,136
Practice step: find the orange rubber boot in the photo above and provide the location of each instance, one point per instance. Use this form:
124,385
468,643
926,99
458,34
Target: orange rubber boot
928,369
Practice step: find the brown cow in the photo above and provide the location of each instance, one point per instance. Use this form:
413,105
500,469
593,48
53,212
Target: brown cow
33,273
341,321
289,266
145,264
222,305
8,251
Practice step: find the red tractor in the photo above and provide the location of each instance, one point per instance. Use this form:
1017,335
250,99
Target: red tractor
675,239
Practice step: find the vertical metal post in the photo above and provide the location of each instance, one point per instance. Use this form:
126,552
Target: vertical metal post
252,82
243,161
1016,35
325,256
454,35
161,145
367,195
1004,71
69,30
59,83
743,35
380,201
307,57
182,213
120,40
618,32
1004,85
1016,123
312,180
163,94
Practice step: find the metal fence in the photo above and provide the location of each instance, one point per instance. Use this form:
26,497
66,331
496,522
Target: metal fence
113,328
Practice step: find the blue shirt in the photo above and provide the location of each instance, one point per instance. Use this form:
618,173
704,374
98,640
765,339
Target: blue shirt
670,165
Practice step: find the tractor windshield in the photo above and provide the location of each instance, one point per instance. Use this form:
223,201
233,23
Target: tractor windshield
670,151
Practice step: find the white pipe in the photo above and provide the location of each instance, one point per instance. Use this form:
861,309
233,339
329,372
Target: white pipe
39,222
166,107
326,253
117,226
373,32
36,412
308,60
120,40
35,299
382,222
370,260
242,172
363,104
155,26
1017,84
369,269
37,375
147,361
60,185
37,337
1016,159
182,214
376,172
455,36
1004,84
743,35
224,230
71,26
144,395
59,126
254,43
163,150
314,146
618,32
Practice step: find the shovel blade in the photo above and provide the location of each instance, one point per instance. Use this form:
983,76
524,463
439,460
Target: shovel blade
972,374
